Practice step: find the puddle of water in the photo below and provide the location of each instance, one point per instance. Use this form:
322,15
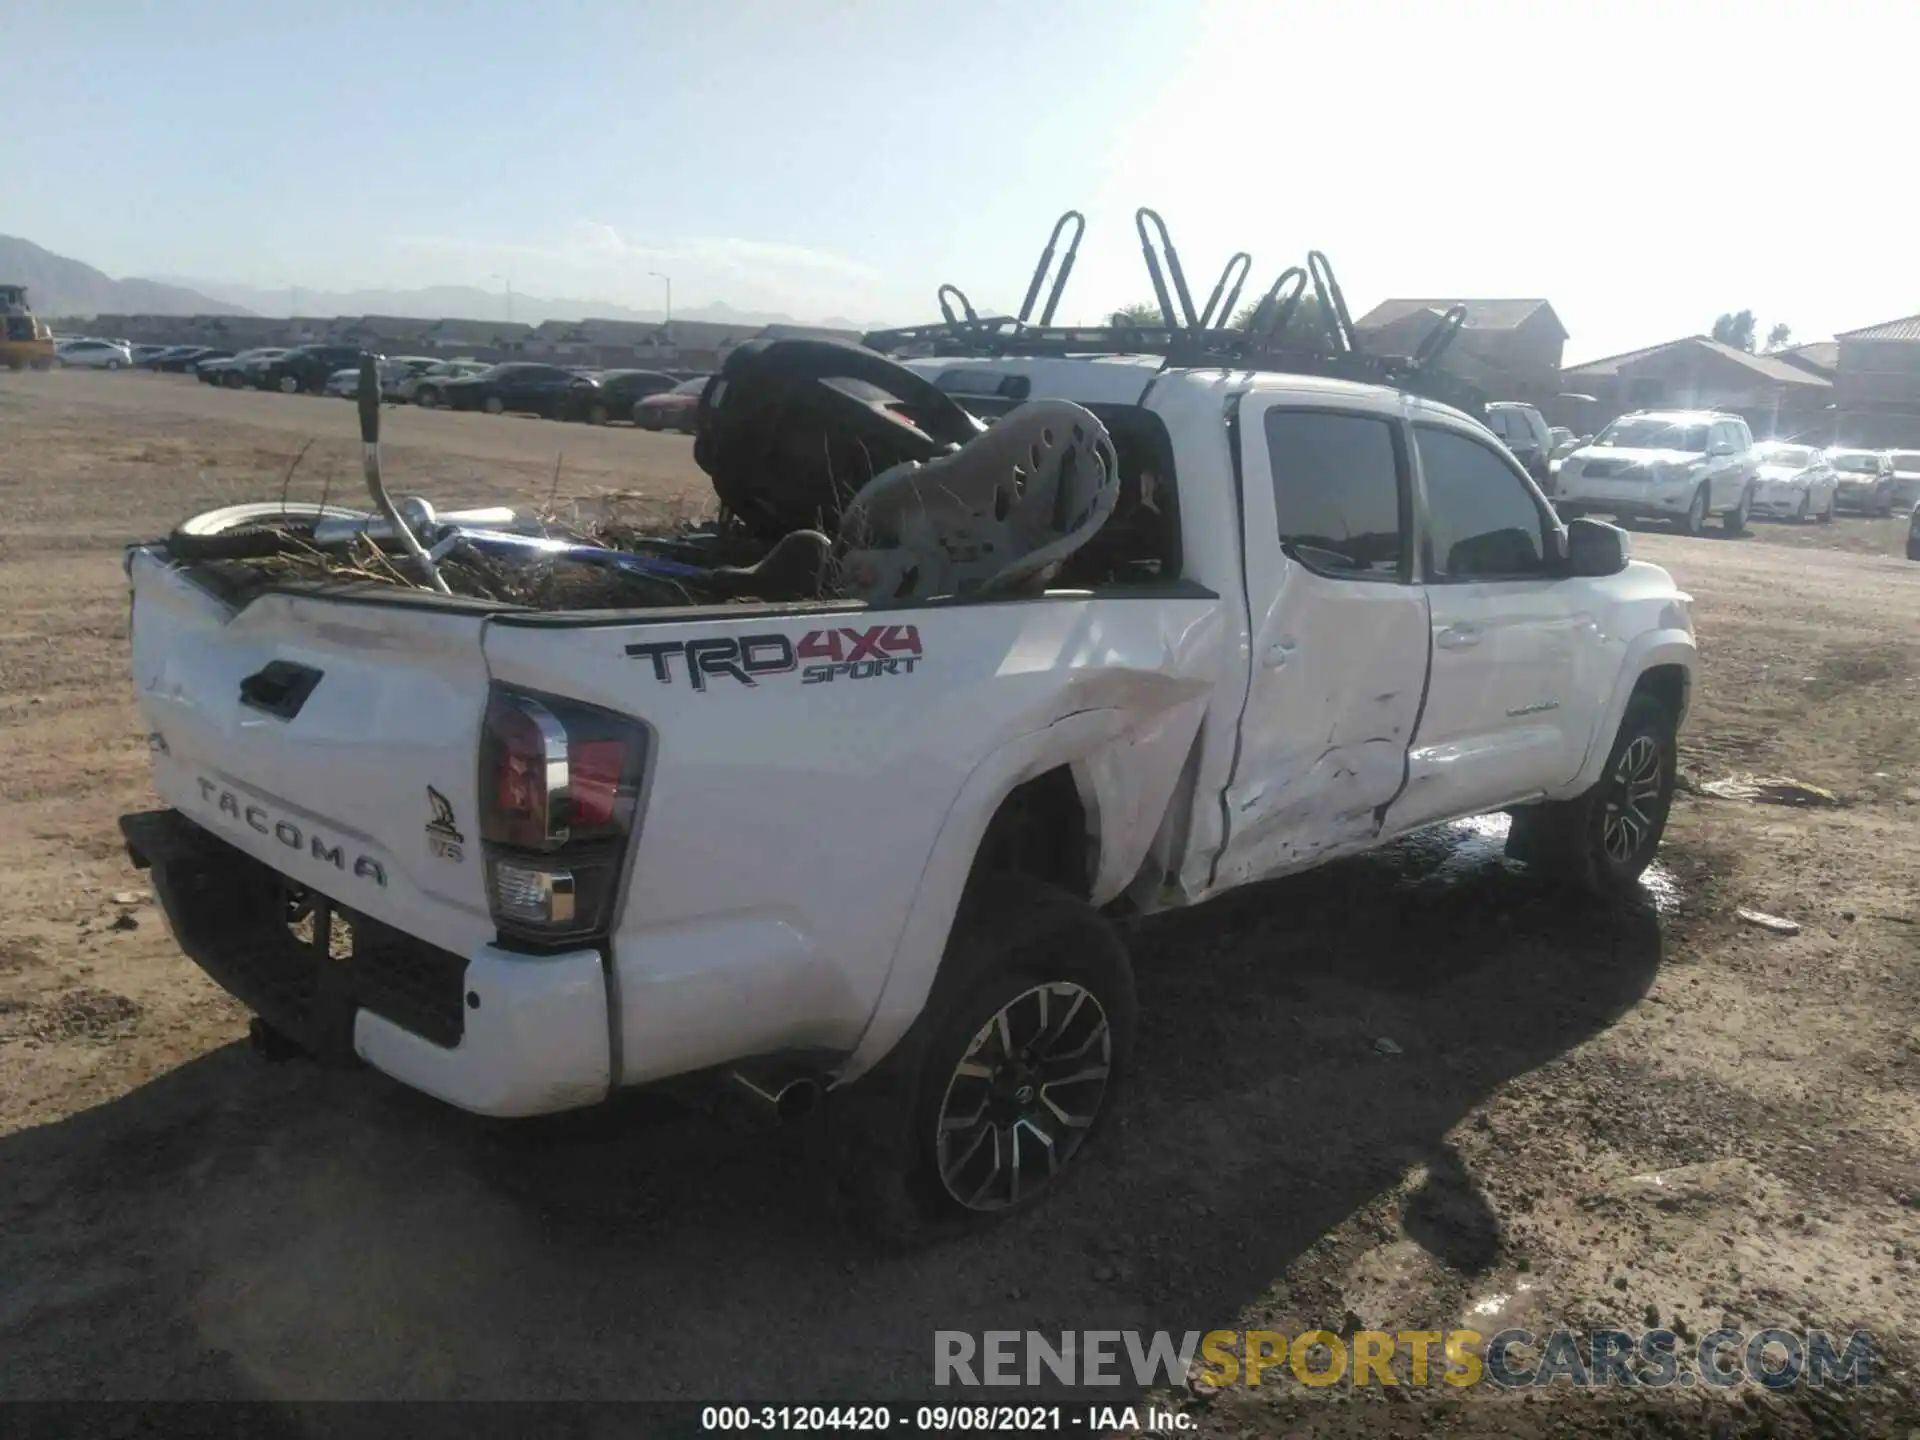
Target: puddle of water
1480,840
1660,890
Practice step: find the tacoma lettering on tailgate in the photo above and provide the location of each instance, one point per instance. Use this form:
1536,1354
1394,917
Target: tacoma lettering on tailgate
257,818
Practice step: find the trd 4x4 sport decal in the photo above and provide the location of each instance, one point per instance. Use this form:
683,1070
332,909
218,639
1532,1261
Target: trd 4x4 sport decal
819,655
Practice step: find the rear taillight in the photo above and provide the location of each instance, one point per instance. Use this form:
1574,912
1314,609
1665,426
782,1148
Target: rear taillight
559,796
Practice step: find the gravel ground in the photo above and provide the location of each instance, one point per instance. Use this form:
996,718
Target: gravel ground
1591,1116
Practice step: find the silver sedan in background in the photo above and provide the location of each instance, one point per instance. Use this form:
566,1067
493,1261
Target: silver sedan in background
1794,482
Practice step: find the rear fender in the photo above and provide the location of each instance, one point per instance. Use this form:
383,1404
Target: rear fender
1125,767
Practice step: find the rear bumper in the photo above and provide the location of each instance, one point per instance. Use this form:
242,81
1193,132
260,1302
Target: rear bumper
492,1032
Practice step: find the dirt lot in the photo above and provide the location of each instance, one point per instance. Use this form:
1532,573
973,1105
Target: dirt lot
180,1219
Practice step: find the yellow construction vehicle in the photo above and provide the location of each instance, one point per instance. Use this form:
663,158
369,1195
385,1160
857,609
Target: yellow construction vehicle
24,341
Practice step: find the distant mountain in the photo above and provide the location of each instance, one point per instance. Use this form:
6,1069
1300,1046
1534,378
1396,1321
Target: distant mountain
470,302
59,286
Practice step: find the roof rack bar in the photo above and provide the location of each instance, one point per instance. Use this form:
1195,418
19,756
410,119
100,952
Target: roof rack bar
966,307
1440,337
1184,318
1274,312
1223,312
1046,260
1333,305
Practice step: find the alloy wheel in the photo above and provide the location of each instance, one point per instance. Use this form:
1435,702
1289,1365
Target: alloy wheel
1023,1096
1632,796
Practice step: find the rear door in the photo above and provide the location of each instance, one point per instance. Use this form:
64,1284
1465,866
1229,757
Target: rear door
1339,632
1501,720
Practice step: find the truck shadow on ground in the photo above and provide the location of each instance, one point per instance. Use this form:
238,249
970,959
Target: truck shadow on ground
248,1230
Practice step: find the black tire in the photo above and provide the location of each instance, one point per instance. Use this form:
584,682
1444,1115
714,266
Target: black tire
1695,520
1804,512
426,397
251,532
1825,517
494,405
1734,522
233,380
596,414
1030,951
1578,840
1913,546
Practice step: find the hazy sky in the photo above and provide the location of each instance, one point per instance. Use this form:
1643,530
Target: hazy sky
1644,166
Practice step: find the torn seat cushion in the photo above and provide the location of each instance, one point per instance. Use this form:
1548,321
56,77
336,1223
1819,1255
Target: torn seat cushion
790,430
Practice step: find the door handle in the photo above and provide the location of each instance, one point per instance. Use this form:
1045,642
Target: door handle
1458,637
280,689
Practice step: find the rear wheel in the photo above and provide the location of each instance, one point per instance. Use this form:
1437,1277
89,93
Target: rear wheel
249,532
985,1105
289,385
597,415
1804,511
495,405
113,364
1604,840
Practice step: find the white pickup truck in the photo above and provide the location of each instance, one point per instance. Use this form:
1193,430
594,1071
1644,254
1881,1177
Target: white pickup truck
520,859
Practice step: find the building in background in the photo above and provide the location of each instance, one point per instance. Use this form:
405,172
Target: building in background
1777,398
1510,349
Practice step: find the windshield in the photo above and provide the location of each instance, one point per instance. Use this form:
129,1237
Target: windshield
1860,462
690,387
1797,456
1639,432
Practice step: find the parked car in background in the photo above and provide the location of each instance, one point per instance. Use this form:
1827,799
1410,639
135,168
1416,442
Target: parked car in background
214,369
1559,436
250,367
188,357
399,369
1906,478
163,356
1866,480
427,389
1681,465
345,382
617,393
307,367
1793,482
144,354
673,409
527,386
1523,430
91,355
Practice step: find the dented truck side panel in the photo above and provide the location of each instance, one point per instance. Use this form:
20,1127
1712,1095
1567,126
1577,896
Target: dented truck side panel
794,809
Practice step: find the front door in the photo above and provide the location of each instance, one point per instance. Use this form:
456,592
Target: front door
1339,635
1502,719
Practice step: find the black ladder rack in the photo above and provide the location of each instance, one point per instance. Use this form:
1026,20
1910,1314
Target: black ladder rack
1190,339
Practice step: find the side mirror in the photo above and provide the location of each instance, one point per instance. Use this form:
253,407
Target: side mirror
1595,548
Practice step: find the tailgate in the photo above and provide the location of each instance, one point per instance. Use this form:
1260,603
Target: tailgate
335,740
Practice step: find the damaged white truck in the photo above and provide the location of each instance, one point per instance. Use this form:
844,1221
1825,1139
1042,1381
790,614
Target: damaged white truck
854,815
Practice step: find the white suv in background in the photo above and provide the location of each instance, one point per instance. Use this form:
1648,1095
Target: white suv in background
1679,465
